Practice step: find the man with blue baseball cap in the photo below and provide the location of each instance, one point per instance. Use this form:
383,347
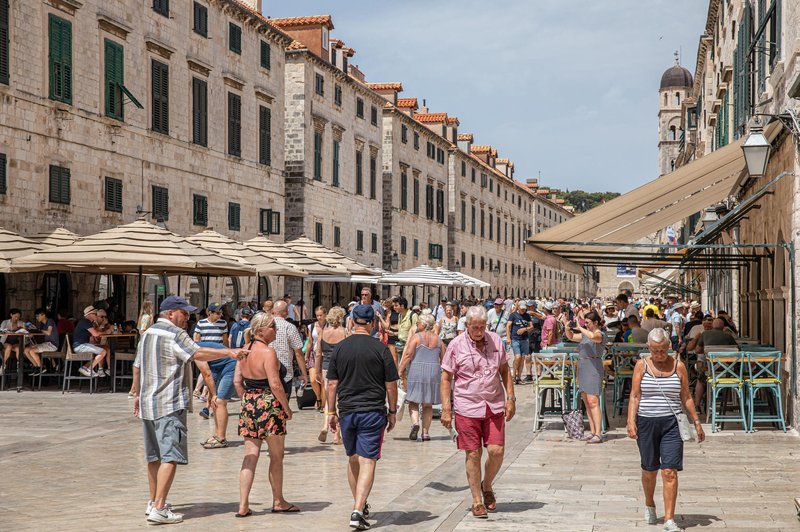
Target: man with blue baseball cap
362,377
161,398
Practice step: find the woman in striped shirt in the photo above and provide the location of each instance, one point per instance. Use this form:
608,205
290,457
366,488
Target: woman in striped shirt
660,389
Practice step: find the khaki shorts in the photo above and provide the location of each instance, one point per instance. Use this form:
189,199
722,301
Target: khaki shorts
165,438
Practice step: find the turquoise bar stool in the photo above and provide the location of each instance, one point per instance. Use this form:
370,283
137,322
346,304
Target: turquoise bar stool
764,373
726,370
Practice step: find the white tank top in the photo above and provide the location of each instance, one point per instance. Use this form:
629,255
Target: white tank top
655,404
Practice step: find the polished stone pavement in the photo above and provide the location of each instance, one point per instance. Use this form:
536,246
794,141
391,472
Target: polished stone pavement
74,462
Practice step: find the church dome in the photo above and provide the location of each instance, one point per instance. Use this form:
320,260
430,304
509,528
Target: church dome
676,76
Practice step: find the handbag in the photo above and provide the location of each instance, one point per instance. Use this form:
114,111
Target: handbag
573,423
684,427
401,401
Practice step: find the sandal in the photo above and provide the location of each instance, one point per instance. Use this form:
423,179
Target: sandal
595,439
214,443
196,395
248,513
426,437
292,509
479,511
489,499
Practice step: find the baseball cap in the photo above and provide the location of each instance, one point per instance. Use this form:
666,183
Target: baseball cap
694,304
176,303
247,311
708,317
88,310
498,301
214,307
531,303
549,305
363,314
523,304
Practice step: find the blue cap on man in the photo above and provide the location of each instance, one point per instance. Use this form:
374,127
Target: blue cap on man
215,307
176,303
363,314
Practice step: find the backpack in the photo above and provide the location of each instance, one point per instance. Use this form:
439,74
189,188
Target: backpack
237,333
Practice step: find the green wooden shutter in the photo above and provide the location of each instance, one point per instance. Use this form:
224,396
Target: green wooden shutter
373,178
160,97
403,191
4,48
113,194
266,59
3,175
160,203
317,155
359,173
114,79
234,38
335,174
200,210
59,185
234,124
264,135
234,216
275,223
60,59
199,112
161,7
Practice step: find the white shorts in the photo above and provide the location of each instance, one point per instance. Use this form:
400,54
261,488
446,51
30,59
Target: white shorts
45,347
89,348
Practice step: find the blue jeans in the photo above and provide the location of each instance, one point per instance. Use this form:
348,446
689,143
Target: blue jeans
222,370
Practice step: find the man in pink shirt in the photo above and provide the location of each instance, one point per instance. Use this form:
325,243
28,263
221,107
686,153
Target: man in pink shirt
549,327
473,367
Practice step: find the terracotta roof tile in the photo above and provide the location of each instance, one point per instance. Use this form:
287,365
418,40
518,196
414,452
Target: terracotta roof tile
452,121
503,161
296,45
431,117
392,86
466,136
481,149
407,102
324,20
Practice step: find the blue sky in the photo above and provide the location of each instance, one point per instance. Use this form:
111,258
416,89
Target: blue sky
568,88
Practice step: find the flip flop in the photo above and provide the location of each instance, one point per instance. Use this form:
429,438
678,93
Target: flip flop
290,510
248,513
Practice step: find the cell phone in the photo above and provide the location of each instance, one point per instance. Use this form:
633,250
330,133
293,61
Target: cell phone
453,433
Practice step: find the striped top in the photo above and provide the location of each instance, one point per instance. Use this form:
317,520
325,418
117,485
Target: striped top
211,332
653,403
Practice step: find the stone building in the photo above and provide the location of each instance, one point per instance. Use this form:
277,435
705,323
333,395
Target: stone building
173,112
333,149
675,87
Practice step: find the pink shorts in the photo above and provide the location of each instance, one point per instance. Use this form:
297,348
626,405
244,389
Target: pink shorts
474,432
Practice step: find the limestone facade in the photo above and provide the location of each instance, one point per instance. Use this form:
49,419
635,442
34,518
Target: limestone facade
59,115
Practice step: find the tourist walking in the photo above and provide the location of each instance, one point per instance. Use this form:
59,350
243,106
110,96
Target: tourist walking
446,327
331,335
315,330
288,344
659,392
162,398
422,358
407,319
264,413
590,368
362,378
476,369
516,331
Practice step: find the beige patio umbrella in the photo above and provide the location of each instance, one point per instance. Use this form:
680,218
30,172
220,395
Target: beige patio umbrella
234,250
55,238
138,246
13,246
291,258
329,257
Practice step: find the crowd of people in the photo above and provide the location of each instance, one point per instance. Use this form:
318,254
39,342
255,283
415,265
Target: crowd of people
464,357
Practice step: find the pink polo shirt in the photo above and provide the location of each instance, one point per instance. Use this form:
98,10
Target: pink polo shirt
476,375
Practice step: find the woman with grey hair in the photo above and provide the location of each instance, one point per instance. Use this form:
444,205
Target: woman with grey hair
660,389
423,358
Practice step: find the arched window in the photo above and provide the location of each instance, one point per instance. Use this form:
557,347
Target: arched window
666,101
672,165
677,98
672,133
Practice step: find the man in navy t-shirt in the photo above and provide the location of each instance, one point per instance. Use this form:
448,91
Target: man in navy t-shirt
517,329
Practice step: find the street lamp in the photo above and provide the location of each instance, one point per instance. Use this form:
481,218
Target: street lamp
756,152
457,266
496,271
395,261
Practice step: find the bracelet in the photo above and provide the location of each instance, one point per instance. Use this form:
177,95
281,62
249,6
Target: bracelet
331,414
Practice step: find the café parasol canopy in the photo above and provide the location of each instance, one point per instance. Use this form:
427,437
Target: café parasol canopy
331,258
55,238
422,275
12,246
291,258
138,246
237,251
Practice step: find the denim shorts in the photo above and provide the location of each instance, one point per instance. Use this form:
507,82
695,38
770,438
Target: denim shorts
660,443
520,347
223,371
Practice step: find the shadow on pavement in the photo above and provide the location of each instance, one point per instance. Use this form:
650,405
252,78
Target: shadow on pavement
196,510
518,506
444,487
299,450
312,506
692,520
402,518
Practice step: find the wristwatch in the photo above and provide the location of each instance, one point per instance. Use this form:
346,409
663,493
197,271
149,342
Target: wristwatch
392,412
511,398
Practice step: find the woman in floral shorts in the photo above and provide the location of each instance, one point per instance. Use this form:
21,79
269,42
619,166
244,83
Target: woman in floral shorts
265,411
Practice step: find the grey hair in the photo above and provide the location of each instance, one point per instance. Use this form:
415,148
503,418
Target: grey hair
477,313
658,336
427,320
164,313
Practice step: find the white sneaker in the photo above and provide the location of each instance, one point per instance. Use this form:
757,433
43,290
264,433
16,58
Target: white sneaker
650,515
672,526
164,516
86,372
149,508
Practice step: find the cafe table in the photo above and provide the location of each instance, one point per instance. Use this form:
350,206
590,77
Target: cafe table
27,335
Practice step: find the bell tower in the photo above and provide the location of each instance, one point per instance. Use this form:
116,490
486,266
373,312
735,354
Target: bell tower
676,85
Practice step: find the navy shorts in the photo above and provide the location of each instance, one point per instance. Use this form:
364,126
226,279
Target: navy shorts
362,433
660,443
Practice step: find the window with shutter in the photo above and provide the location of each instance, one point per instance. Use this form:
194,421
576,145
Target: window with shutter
373,178
275,223
416,140
60,58
318,233
360,107
264,135
319,84
335,173
199,112
463,215
265,221
403,245
416,248
359,240
200,210
337,236
113,194
416,196
59,185
374,243
200,19
266,55
4,42
114,79
472,226
404,191
429,202
3,175
234,124
161,7
373,115
359,173
440,206
318,155
337,95
160,95
234,216
404,134
234,38
160,209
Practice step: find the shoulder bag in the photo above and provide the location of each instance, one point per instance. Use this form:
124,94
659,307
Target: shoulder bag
684,426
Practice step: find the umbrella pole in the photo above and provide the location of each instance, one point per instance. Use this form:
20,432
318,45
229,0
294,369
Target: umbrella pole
208,288
301,295
258,290
179,285
139,292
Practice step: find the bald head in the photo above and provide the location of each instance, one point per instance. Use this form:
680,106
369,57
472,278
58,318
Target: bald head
718,324
280,308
